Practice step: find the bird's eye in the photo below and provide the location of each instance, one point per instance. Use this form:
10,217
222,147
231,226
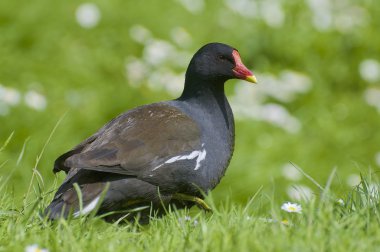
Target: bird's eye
224,58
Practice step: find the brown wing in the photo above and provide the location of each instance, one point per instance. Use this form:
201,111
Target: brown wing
134,142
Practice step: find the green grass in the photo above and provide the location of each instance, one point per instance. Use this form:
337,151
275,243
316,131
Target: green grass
348,222
327,223
258,225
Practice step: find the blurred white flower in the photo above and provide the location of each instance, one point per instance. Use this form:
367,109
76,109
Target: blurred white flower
340,202
136,71
181,37
291,207
35,248
193,6
370,193
299,192
374,192
272,13
158,51
353,180
369,70
9,96
245,8
271,113
88,15
291,173
165,79
140,33
35,100
322,16
181,59
188,219
155,66
372,97
342,15
349,18
286,86
377,158
295,82
249,102
279,116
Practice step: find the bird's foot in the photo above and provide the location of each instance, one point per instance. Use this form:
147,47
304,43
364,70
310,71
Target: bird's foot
198,201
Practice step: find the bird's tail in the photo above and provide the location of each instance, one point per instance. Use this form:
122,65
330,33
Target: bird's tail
56,210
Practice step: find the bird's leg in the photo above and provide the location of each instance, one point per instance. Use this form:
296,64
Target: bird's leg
198,201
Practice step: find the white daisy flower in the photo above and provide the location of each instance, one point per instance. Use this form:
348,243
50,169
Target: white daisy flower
35,248
291,207
9,96
88,15
369,70
35,100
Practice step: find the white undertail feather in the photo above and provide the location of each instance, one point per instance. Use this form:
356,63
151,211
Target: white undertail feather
87,209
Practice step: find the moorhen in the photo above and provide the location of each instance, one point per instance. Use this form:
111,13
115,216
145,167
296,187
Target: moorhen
166,153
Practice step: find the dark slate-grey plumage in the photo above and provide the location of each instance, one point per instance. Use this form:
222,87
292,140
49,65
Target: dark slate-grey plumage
158,154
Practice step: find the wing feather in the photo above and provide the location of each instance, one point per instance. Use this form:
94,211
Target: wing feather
135,142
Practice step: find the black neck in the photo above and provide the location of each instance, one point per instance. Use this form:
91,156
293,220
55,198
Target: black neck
200,86
201,90
209,95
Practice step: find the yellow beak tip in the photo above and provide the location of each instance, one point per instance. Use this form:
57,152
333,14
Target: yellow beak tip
251,78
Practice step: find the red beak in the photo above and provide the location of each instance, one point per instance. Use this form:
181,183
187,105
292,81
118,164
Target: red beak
241,71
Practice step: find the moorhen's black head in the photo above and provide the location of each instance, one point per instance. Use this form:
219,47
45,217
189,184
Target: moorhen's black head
216,63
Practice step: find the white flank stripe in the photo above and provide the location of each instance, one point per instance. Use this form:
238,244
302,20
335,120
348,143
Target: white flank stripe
192,155
88,208
201,157
158,166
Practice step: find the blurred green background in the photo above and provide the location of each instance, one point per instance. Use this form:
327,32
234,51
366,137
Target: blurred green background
317,103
